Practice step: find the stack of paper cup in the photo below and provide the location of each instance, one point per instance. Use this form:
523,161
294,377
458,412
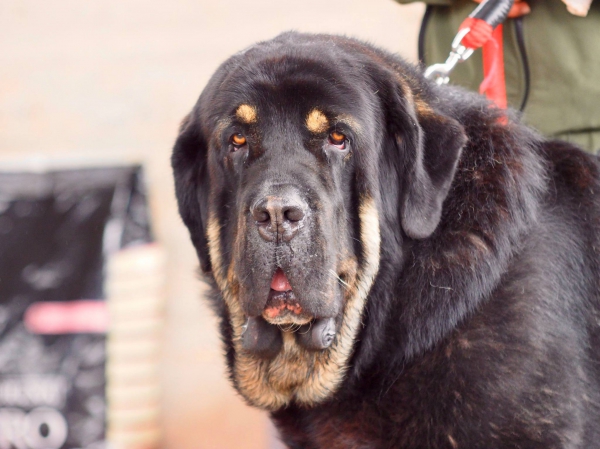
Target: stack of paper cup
135,292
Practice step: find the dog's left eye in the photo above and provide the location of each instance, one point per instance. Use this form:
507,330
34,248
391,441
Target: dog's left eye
238,140
338,140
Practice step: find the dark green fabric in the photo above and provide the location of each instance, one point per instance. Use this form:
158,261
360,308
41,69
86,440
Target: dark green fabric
564,62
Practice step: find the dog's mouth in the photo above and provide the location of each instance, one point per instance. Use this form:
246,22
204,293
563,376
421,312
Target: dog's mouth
282,306
283,312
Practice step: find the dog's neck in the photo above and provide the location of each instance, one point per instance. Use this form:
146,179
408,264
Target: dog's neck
492,205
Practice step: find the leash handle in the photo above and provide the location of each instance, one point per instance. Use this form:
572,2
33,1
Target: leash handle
493,12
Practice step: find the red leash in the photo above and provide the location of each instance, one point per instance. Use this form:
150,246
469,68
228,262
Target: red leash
481,34
494,83
482,29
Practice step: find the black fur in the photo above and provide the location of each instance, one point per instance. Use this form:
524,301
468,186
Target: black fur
482,328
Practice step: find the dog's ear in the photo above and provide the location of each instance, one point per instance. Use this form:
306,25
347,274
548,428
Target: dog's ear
429,145
189,169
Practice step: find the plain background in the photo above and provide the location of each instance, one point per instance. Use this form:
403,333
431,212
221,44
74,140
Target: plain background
99,80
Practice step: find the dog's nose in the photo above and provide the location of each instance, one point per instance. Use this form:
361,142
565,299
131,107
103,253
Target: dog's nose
279,217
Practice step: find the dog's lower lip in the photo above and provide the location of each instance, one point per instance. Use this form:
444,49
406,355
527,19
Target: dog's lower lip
281,302
284,308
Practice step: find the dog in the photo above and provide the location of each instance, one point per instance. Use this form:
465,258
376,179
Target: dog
395,264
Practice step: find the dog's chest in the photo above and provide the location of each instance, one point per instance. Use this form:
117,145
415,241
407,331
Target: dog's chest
450,399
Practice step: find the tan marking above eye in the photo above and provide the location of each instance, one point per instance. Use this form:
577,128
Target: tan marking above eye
246,113
316,122
238,140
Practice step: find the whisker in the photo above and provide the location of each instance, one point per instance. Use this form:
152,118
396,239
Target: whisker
289,328
309,328
335,275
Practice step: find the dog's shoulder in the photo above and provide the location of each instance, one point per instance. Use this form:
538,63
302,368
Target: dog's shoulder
575,170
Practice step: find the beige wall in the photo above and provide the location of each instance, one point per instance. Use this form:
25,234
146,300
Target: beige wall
111,79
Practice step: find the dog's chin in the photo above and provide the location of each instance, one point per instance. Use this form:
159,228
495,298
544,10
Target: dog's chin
287,318
283,315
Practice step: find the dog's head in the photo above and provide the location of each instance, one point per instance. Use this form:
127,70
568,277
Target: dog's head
303,158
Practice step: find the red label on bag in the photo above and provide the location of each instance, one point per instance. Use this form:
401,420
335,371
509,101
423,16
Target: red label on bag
72,317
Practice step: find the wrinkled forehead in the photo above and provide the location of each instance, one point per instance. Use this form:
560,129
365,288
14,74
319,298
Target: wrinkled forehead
298,89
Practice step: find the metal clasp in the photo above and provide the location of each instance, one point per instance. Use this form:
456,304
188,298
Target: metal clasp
440,73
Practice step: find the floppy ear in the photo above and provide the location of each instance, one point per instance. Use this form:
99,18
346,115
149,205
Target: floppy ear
430,144
189,170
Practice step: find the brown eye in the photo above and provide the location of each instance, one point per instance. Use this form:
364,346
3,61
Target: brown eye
337,139
238,140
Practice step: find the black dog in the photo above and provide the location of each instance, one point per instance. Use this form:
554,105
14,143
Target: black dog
395,264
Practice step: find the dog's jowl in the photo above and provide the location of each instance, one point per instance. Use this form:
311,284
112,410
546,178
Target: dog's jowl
395,264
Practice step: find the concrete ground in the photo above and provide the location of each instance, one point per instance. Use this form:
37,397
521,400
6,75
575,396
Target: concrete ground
110,80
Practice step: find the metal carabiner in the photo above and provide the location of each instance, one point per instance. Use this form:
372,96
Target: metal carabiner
440,73
493,12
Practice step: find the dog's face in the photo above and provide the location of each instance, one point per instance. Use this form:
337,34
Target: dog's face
285,165
296,151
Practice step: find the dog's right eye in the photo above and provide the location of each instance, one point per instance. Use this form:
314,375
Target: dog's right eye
238,140
338,140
